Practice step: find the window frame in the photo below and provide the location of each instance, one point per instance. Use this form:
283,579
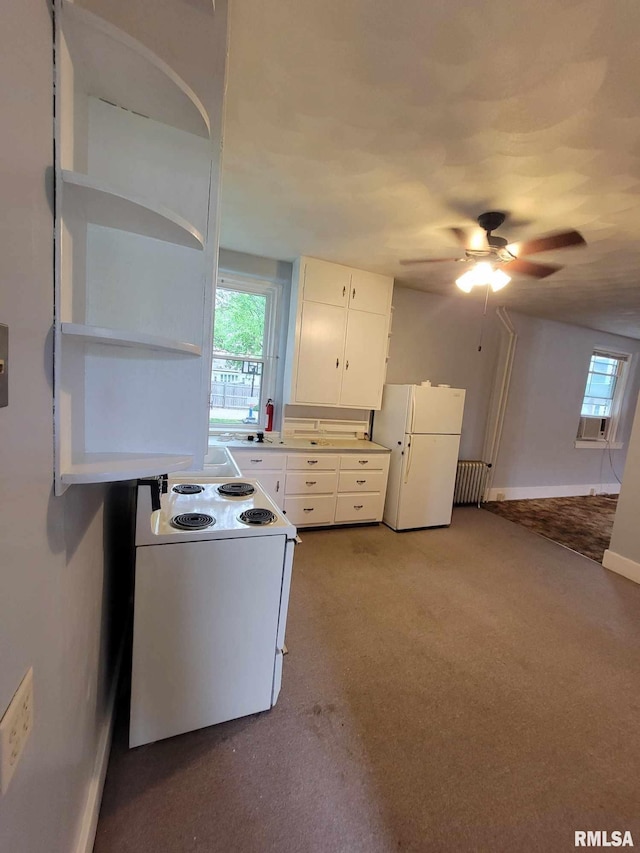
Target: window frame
616,401
272,291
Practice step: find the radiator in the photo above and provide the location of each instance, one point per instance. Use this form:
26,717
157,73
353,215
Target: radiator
471,477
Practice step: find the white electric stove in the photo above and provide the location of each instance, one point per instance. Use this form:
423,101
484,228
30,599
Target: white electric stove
213,573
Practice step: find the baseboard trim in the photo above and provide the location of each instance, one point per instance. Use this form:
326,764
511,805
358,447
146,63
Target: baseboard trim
621,565
89,823
524,492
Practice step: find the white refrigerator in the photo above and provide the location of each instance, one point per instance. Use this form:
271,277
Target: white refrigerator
421,425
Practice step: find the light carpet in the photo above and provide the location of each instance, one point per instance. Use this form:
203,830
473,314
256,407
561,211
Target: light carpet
474,688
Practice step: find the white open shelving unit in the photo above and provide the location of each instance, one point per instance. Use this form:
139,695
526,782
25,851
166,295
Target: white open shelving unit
137,168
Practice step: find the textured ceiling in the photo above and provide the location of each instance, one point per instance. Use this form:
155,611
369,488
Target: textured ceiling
360,130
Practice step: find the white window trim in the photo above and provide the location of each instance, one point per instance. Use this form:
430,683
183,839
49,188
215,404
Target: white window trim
269,359
616,406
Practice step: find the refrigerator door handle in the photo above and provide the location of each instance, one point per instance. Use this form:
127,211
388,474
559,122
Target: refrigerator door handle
413,409
408,468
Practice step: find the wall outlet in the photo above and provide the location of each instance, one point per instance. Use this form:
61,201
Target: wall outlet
500,496
15,728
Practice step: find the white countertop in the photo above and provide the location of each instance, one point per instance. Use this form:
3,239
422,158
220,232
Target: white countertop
318,445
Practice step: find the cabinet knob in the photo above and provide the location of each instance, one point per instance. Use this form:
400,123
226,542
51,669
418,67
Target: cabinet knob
353,295
311,482
344,289
312,461
361,482
347,365
358,506
255,461
337,362
308,509
363,461
277,485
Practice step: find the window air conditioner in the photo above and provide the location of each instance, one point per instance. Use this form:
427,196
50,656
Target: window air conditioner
593,429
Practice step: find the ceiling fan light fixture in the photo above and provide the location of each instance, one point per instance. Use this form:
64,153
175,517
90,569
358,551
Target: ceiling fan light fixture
499,280
466,281
483,274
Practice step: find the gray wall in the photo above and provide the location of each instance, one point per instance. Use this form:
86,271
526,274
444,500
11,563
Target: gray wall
541,421
625,539
52,597
436,337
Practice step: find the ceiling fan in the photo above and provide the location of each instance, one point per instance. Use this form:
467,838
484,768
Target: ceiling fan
494,256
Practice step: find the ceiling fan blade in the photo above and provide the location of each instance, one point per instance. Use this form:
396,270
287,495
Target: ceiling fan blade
553,241
531,268
407,261
461,236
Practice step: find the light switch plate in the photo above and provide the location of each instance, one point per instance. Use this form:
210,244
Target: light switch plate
4,365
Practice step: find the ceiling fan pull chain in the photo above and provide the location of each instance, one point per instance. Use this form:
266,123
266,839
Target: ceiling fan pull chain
484,314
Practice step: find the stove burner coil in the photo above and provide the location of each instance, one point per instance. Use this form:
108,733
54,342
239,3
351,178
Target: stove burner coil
236,490
192,521
187,489
257,515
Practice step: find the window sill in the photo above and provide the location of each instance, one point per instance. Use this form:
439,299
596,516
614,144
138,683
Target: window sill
597,445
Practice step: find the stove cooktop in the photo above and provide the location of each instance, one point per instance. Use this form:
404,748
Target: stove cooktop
187,489
258,516
236,490
181,515
192,521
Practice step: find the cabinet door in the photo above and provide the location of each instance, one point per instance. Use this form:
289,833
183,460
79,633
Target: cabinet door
370,292
273,484
325,282
320,353
364,360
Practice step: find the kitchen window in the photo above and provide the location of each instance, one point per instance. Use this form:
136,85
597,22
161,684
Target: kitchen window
245,347
603,394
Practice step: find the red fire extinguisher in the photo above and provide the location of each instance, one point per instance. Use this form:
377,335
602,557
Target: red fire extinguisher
269,426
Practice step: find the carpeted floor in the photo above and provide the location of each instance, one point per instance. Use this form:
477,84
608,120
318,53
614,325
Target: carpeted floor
474,688
583,523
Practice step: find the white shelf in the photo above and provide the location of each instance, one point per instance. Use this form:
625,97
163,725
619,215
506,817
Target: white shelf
109,467
116,67
108,206
122,338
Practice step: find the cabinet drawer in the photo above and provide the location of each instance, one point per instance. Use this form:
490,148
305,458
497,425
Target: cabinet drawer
361,481
363,461
258,459
364,507
311,482
308,462
314,509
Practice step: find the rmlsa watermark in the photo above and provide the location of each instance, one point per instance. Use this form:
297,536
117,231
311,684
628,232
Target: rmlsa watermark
598,838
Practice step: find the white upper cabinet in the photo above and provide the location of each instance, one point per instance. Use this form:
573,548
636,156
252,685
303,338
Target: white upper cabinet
138,147
325,282
334,284
370,292
338,335
320,354
365,355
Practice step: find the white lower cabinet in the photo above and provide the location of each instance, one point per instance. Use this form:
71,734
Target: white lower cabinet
362,481
359,507
320,489
304,511
265,466
311,482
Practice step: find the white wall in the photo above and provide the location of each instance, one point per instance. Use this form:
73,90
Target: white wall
437,338
52,601
625,539
548,381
